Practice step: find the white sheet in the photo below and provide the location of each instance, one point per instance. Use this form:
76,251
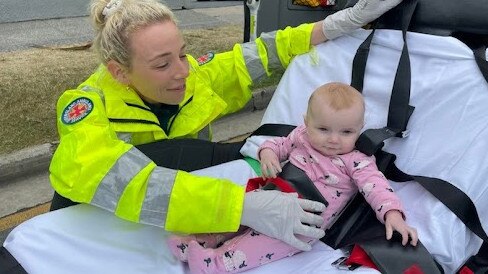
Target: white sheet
448,139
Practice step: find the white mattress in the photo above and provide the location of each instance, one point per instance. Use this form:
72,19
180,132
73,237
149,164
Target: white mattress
448,139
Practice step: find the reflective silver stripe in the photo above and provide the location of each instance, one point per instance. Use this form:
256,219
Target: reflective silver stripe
253,62
156,202
125,136
251,56
204,134
88,88
115,181
269,39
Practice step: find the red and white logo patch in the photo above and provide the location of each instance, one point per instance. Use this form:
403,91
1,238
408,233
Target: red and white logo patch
77,110
205,58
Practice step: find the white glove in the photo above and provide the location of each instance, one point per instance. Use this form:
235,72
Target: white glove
362,13
282,216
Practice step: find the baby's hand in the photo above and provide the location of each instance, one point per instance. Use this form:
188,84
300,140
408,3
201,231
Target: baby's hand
270,165
394,222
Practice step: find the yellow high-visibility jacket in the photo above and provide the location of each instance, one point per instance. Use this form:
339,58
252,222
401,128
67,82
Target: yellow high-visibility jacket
99,123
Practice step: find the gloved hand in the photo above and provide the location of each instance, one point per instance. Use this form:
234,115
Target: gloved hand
282,216
362,13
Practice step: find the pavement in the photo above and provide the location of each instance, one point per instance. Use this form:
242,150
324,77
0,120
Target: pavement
43,23
24,178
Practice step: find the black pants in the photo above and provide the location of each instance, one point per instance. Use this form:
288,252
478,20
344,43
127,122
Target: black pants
181,154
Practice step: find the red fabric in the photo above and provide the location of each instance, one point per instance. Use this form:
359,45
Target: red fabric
465,270
414,269
256,183
326,3
359,256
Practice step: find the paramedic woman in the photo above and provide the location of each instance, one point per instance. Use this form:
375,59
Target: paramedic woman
148,89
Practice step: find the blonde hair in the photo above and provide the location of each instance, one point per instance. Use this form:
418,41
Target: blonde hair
336,95
113,29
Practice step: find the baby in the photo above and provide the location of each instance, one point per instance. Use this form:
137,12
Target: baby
324,148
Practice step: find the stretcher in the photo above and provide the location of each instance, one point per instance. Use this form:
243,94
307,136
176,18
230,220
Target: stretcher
447,139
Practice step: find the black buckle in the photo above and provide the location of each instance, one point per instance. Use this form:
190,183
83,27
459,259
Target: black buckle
371,140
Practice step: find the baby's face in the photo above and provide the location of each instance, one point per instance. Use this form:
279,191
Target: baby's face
334,132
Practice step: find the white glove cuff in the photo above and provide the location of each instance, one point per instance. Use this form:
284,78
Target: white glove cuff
338,24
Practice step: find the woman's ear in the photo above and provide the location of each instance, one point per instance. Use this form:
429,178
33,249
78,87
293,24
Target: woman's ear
118,72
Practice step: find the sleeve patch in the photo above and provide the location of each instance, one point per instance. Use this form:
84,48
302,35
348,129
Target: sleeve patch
77,110
207,57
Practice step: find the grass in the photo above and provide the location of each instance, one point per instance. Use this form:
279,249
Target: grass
32,80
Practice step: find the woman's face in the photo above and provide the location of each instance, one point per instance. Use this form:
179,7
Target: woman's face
159,64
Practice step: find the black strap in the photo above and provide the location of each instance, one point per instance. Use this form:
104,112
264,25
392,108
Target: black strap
451,196
359,63
390,256
372,139
274,130
477,43
480,57
454,199
400,111
301,183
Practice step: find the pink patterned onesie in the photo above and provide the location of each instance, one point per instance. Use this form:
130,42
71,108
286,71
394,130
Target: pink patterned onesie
337,178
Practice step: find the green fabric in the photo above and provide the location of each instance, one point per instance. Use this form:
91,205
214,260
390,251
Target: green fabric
255,165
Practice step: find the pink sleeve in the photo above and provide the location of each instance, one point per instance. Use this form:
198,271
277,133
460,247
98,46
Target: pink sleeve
282,146
373,185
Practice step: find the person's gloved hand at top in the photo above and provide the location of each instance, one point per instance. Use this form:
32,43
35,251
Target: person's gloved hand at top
148,90
357,16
